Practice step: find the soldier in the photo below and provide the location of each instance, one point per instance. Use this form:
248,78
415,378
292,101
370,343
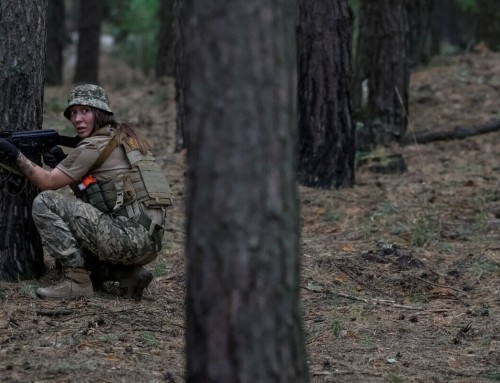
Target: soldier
115,225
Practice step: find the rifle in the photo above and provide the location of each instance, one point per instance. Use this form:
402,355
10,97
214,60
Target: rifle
38,141
33,143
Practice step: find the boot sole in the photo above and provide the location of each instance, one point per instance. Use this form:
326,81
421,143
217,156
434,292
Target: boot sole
56,298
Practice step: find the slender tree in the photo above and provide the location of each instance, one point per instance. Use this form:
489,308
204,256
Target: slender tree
89,34
179,16
243,316
56,35
22,62
166,40
326,130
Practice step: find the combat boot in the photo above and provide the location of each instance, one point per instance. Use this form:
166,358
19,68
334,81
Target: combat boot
133,281
77,283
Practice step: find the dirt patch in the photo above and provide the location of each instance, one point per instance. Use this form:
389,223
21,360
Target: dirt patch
400,275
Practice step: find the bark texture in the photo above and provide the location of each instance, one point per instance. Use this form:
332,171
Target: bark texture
243,316
166,40
326,130
384,68
89,34
56,35
22,62
420,25
180,73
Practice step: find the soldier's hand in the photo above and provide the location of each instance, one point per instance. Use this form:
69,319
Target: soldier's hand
53,156
8,152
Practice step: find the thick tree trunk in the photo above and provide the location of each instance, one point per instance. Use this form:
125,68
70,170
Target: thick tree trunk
166,41
56,35
326,130
384,51
89,34
22,61
243,316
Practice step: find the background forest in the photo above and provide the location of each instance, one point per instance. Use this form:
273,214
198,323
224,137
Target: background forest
399,256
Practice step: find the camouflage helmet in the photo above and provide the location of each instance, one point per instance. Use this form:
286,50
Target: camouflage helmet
89,95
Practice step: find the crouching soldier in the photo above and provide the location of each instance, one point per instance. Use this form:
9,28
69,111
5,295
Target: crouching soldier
116,224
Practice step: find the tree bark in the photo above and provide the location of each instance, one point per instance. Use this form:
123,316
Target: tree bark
89,34
384,54
420,34
165,54
452,27
243,316
179,21
488,26
22,62
56,35
326,130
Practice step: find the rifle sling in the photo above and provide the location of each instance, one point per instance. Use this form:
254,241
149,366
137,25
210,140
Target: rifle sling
11,169
103,156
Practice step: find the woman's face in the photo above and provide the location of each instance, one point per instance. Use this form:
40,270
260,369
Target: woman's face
82,118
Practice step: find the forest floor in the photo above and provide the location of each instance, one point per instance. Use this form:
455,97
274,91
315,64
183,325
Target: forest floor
400,275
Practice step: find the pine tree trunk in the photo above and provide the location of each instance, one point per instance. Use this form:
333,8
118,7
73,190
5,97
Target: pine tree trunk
420,24
326,131
384,52
488,26
166,42
243,316
56,35
89,34
22,62
179,21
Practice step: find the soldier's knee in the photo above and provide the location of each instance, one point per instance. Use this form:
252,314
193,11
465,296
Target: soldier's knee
40,201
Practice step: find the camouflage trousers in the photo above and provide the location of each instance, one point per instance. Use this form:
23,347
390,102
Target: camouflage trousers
77,234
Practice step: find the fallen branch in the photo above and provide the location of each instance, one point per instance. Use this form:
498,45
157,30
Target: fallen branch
55,313
457,133
377,301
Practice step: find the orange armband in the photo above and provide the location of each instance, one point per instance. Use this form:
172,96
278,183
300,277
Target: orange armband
86,182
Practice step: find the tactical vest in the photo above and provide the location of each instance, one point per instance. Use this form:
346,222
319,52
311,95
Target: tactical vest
144,184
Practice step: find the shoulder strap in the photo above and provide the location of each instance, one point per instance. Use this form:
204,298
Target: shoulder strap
103,156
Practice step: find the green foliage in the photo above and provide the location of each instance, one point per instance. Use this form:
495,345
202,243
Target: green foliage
332,217
337,327
426,229
134,24
394,377
109,338
354,4
468,5
485,267
366,342
160,269
27,289
149,339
